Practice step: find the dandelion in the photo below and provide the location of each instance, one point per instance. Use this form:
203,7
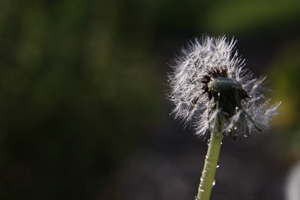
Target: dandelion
209,81
213,93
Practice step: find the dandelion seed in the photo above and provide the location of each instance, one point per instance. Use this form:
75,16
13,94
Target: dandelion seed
209,81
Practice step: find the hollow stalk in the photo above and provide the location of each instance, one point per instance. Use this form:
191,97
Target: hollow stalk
207,179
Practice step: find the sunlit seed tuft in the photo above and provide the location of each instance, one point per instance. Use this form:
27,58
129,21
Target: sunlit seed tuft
209,81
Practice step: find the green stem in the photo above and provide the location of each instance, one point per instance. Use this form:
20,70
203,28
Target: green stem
207,179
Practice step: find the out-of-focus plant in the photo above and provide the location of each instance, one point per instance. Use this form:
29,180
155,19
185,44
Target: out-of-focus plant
75,96
284,75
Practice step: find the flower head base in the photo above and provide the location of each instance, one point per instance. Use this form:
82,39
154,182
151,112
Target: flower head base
209,82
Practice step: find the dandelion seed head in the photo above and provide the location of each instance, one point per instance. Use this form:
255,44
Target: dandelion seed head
209,81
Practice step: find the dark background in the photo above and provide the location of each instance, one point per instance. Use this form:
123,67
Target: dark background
83,108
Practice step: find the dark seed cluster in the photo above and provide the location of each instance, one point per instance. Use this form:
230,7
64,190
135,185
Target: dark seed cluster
216,73
227,98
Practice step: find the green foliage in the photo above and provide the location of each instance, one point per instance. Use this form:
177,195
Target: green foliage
285,76
234,17
75,97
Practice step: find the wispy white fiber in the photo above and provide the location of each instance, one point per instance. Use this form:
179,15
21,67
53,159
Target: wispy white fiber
193,104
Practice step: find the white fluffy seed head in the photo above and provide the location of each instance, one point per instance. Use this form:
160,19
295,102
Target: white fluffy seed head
208,60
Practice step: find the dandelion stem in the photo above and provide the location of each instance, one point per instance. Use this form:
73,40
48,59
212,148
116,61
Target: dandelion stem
207,179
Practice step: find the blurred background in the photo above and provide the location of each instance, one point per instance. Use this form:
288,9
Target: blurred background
83,108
